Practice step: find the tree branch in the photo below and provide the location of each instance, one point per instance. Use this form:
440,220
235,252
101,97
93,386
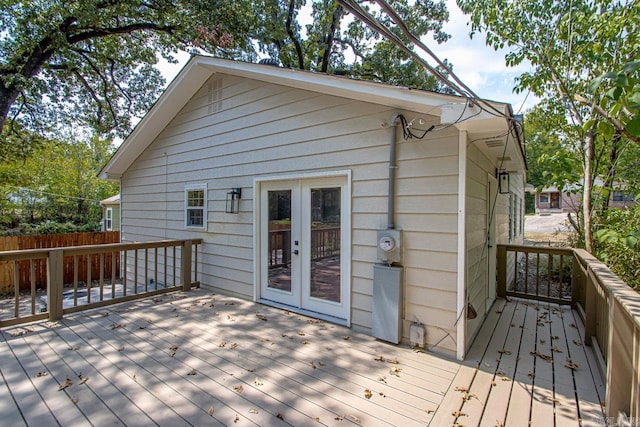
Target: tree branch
292,35
614,122
103,32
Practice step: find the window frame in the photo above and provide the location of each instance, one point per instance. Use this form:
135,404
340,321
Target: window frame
191,188
546,196
108,219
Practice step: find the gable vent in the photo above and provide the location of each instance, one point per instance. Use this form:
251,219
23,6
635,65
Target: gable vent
215,96
494,143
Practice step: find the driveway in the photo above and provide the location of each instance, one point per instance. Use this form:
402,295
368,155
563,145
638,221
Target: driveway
547,223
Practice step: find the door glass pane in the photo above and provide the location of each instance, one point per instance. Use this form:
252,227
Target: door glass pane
279,254
325,243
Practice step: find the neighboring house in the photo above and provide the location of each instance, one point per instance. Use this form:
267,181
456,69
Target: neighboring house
552,200
111,213
284,175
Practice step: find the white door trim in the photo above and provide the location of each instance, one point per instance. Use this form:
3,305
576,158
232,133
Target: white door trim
258,183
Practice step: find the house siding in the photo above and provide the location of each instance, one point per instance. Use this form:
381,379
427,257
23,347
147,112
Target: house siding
478,169
235,129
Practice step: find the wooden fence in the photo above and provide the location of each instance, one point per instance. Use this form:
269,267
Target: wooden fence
38,268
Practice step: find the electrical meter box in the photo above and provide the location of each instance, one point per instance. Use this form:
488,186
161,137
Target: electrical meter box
389,248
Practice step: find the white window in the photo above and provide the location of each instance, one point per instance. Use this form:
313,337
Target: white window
544,197
195,205
108,222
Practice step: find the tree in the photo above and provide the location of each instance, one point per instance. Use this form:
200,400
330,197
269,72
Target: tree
568,45
56,183
325,44
90,63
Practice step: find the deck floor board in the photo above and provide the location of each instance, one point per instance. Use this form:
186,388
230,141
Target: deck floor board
180,359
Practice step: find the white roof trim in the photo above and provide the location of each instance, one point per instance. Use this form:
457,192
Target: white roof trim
200,68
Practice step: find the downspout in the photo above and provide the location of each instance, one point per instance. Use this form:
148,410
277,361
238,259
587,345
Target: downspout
392,171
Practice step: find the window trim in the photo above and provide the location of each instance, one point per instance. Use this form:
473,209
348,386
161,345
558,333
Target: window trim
195,187
546,196
108,220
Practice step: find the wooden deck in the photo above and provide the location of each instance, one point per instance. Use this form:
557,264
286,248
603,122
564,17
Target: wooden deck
197,358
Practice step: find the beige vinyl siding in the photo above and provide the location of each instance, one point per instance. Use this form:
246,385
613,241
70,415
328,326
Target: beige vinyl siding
245,129
478,168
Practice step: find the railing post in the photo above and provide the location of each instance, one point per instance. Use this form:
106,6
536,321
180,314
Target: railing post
55,281
576,281
185,265
590,308
501,271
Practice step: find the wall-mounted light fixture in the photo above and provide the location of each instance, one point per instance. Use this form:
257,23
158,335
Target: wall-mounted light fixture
503,182
233,200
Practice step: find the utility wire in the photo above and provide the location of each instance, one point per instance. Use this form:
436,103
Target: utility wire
52,194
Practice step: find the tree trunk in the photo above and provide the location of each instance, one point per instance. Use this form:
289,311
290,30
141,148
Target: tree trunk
609,179
586,196
7,98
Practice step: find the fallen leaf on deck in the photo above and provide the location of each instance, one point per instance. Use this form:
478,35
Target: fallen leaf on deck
229,303
261,317
504,351
571,365
542,356
234,345
469,396
67,383
251,369
23,331
253,411
84,380
120,348
395,371
313,365
73,348
579,343
135,378
322,363
236,419
346,337
310,321
542,341
211,411
339,418
41,374
573,325
382,394
173,348
505,379
462,389
192,372
458,414
530,375
222,344
280,416
231,318
316,419
355,419
258,382
75,400
395,361
379,359
556,349
382,379
499,372
430,411
305,342
301,333
238,388
367,393
116,326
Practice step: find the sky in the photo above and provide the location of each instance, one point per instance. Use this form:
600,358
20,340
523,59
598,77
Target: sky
480,67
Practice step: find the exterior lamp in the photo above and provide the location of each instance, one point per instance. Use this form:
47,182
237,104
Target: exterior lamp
503,182
233,200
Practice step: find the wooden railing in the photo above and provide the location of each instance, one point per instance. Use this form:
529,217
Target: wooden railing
609,307
325,242
148,269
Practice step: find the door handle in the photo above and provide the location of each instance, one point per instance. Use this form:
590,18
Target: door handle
296,252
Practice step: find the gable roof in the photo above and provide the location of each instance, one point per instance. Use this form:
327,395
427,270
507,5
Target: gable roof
113,200
200,68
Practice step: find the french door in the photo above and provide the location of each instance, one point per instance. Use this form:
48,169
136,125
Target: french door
302,253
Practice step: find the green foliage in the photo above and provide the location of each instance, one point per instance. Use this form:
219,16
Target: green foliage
90,63
56,184
617,243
